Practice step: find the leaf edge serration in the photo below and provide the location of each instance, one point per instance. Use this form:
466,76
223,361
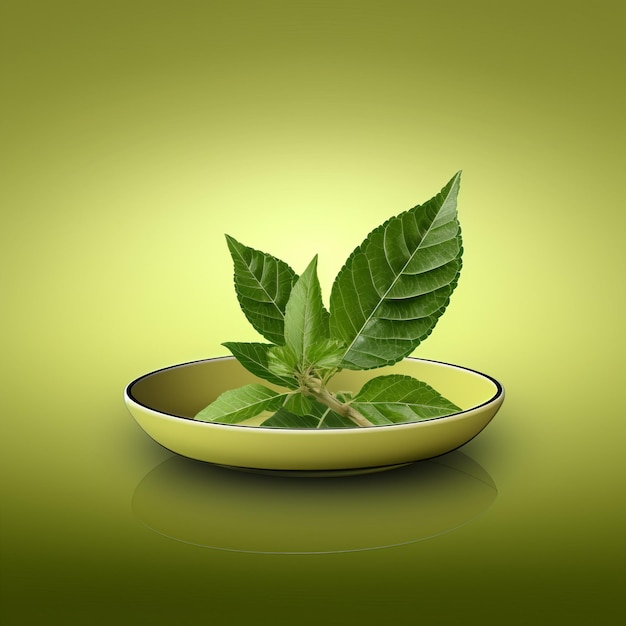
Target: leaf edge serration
277,336
362,249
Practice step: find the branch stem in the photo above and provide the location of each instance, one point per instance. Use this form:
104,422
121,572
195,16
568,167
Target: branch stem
317,390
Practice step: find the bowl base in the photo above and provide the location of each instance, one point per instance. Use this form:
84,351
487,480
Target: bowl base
314,473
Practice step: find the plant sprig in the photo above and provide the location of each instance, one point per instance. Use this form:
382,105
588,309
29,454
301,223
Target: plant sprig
385,301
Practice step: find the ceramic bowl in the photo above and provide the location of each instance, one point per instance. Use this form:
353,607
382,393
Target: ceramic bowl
164,403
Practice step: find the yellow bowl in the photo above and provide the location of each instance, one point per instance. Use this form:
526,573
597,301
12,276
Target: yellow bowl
164,402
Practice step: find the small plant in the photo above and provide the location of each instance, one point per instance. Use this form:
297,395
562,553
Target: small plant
386,300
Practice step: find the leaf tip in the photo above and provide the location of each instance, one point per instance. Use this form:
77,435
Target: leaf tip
456,179
312,266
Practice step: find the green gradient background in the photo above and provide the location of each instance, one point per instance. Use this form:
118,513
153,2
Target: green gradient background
135,134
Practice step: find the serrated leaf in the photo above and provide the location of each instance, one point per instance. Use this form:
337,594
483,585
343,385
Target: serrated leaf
237,405
281,361
263,284
393,288
327,354
254,357
396,398
306,319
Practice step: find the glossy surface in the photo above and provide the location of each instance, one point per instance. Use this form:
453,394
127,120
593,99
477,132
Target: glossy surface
164,401
178,499
134,134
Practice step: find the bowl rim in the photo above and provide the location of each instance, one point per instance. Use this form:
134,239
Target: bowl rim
498,395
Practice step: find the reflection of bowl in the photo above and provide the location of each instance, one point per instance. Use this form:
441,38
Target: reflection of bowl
212,507
164,402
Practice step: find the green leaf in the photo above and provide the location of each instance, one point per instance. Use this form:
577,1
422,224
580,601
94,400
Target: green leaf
334,420
263,284
326,418
396,399
298,404
320,417
394,287
327,353
254,357
237,405
281,361
285,419
306,319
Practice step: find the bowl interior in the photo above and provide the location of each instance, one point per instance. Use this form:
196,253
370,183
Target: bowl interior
183,390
